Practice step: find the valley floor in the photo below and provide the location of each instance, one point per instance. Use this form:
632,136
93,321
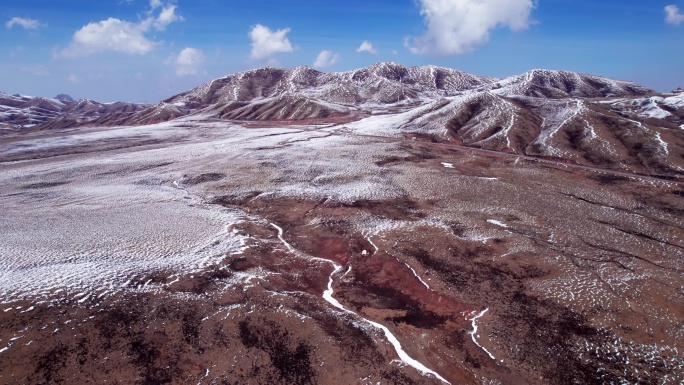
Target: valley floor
210,253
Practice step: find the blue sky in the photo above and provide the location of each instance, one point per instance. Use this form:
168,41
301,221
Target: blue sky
148,50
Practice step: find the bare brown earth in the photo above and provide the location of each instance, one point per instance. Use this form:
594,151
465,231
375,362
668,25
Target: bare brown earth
577,274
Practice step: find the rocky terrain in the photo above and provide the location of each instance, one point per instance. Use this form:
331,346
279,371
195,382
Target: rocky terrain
438,228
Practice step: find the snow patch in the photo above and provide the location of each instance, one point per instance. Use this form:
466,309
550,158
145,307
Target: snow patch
417,276
497,223
280,236
662,143
474,335
405,358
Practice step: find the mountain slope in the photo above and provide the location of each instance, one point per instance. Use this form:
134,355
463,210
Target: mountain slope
592,132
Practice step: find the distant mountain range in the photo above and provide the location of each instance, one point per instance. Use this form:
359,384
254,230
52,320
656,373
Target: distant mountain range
20,111
574,117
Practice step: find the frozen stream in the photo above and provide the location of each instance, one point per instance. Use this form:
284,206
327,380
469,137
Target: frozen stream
328,296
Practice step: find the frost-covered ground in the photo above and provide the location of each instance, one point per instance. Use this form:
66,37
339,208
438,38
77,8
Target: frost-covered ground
95,220
206,251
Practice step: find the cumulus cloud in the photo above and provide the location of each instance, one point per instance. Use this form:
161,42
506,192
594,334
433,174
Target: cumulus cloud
457,26
266,43
110,35
26,23
673,15
189,61
122,36
326,59
367,46
166,17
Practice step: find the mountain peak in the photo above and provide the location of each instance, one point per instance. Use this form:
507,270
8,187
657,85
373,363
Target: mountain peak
384,64
302,68
65,98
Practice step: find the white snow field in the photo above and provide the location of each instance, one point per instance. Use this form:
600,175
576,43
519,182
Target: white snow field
87,222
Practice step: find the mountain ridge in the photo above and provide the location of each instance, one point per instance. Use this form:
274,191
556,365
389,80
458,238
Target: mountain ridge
579,118
21,111
312,93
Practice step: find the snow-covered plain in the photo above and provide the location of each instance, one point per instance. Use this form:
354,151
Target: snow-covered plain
89,224
96,220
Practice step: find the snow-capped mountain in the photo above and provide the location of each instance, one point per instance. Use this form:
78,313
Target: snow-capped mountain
578,118
18,111
304,93
564,84
381,83
66,98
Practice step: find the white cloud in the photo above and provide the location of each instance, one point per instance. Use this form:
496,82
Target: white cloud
74,79
26,23
121,36
189,61
367,46
457,26
38,70
110,35
673,15
266,43
166,17
326,59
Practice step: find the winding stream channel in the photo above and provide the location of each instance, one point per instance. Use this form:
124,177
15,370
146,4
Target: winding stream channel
328,296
